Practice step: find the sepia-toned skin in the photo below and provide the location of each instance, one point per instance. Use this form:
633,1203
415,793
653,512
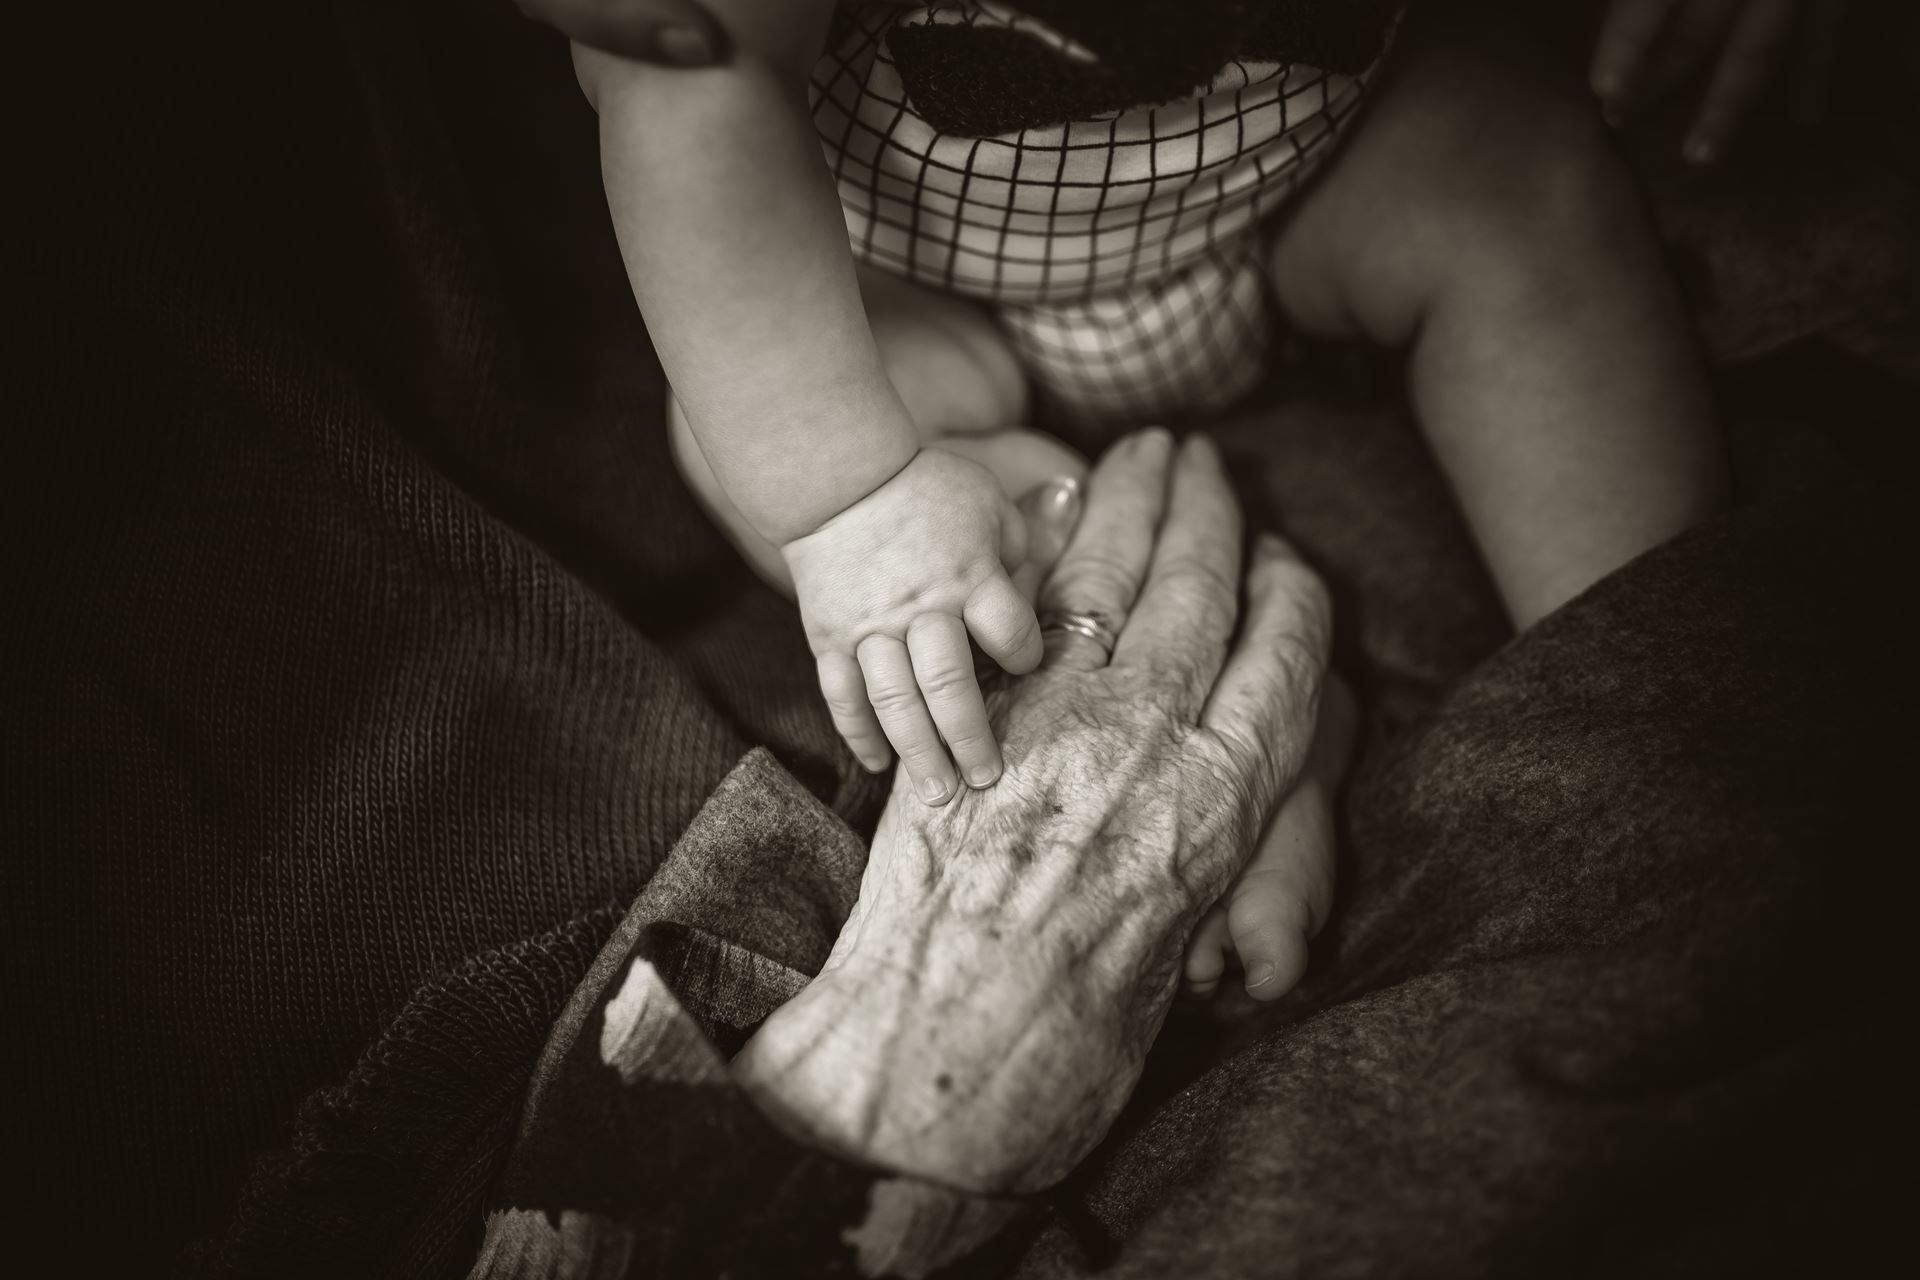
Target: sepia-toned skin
987,1008
1734,50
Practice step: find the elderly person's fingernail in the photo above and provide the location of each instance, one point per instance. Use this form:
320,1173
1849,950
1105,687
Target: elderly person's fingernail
1057,501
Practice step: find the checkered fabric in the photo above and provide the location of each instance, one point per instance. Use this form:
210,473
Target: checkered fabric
1121,252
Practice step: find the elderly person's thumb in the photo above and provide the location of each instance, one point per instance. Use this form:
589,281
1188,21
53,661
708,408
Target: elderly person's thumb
678,33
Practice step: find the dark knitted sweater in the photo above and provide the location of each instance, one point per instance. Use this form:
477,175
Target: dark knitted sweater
365,658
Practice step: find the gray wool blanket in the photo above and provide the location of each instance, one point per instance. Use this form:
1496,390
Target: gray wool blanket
378,698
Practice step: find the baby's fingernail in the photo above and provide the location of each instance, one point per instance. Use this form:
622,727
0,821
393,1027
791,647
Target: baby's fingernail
984,776
1052,510
684,46
1055,501
1259,976
933,790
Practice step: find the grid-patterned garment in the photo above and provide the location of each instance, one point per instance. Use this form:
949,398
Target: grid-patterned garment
1121,252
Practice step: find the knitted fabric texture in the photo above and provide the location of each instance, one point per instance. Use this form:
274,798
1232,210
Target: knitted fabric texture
367,659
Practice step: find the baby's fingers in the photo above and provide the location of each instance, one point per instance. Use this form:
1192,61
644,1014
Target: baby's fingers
1752,54
894,693
943,664
1002,622
845,690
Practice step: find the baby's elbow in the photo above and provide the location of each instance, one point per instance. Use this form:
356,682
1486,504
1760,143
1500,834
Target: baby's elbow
605,78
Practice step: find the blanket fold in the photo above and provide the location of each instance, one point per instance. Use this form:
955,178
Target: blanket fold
378,700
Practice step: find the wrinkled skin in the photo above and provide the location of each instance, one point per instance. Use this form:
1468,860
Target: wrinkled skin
988,1006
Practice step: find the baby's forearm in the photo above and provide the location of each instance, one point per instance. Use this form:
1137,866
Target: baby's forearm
737,251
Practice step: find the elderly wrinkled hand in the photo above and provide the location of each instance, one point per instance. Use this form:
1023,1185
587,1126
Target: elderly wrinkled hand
988,1006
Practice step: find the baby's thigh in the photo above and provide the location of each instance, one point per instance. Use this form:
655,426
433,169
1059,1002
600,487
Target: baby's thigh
1021,459
953,368
1478,156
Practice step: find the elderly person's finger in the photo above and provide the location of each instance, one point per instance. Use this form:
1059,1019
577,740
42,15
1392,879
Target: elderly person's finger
678,33
1185,614
1696,31
902,712
1754,52
1099,573
1273,677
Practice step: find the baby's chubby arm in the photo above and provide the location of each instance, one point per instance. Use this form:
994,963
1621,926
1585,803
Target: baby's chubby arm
734,241
737,251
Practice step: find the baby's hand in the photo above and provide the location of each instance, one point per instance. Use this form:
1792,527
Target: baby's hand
1647,46
889,591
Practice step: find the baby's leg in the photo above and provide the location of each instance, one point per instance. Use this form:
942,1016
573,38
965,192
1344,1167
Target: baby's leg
1479,218
959,380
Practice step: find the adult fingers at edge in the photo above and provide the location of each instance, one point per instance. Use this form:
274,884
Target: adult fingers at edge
1185,614
1265,704
1698,30
1752,55
1101,570
673,32
1625,46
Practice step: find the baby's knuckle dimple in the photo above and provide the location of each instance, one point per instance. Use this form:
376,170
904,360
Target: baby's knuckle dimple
843,708
1021,633
945,682
894,699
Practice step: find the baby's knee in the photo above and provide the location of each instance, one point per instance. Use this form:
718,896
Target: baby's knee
1547,189
1474,170
954,369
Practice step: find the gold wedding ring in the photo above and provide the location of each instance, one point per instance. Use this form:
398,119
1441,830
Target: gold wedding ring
1090,625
